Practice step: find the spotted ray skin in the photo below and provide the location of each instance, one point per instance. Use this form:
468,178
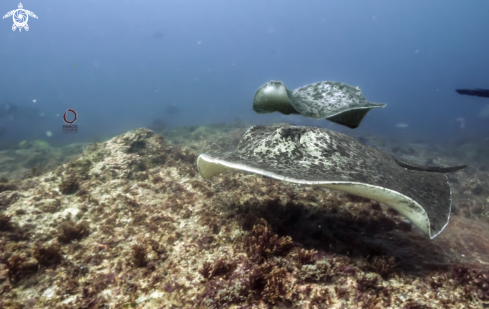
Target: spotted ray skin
318,156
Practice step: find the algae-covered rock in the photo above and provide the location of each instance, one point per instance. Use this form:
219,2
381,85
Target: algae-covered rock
8,197
144,230
50,205
69,185
7,187
29,158
82,167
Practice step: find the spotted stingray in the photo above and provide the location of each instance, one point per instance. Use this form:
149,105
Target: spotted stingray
337,102
317,156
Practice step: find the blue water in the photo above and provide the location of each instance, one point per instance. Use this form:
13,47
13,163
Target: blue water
121,64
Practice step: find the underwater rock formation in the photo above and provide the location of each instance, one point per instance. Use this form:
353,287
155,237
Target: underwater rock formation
28,159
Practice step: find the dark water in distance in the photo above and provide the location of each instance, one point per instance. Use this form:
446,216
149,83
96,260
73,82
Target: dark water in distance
123,64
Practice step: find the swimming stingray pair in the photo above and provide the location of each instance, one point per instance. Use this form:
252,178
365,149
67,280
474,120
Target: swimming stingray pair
317,156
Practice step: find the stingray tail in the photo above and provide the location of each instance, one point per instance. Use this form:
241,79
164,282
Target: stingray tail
425,168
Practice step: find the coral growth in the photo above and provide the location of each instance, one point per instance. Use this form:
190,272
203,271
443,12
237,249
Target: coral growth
475,282
260,244
306,256
383,265
220,267
7,187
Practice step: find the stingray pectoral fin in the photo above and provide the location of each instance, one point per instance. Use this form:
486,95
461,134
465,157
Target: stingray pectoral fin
424,168
208,167
403,204
351,118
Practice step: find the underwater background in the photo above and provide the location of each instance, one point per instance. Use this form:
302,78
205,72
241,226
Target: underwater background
116,215
124,64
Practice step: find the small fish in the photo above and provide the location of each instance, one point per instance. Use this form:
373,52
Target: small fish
402,125
34,101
